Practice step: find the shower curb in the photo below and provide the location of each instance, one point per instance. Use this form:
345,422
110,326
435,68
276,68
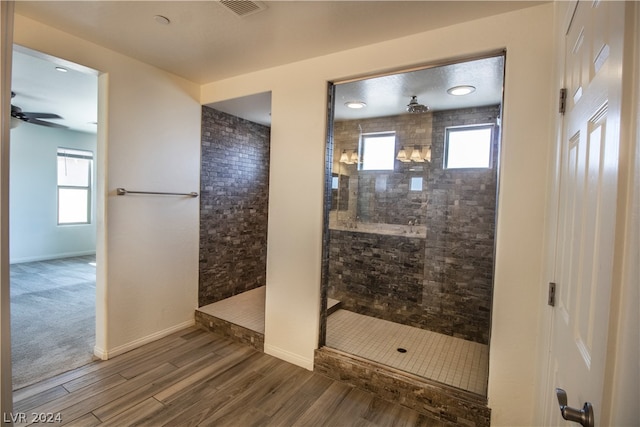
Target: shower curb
425,396
230,330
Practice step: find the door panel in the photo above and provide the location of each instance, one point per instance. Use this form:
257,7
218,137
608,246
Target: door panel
587,185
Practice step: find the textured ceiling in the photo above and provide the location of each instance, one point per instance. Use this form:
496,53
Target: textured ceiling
389,95
205,42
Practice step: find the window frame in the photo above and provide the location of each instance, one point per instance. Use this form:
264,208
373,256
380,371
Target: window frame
362,149
74,154
461,128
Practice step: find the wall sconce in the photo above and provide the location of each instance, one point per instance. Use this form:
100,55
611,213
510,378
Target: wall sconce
416,155
349,159
344,158
402,156
427,156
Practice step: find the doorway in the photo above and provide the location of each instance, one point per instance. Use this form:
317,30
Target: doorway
52,215
409,243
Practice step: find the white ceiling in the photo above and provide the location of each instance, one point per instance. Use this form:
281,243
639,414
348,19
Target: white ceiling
205,41
40,88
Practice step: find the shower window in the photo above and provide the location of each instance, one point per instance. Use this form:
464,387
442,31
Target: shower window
378,151
468,147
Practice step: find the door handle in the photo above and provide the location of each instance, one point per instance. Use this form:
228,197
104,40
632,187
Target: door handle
583,416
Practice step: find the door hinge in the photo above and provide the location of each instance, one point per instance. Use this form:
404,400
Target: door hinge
562,101
552,294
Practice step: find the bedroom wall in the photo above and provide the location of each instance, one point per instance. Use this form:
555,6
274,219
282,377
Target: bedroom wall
34,232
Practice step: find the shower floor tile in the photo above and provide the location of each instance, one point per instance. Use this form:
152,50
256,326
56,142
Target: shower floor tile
449,360
245,309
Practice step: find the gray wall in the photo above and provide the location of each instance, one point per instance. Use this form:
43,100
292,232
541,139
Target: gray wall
233,205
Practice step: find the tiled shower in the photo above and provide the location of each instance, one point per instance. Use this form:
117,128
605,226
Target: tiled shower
413,247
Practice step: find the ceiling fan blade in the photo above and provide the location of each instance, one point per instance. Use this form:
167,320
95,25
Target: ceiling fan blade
48,124
41,116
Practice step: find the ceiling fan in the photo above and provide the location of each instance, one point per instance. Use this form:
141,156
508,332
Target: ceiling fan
17,113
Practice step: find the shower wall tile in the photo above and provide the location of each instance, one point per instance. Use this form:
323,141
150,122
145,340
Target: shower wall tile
382,197
452,293
460,239
377,275
234,190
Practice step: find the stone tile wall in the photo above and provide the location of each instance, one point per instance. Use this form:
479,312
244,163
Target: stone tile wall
381,197
376,275
458,276
234,190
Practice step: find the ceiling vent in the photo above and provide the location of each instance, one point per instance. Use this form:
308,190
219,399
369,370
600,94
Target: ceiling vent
243,8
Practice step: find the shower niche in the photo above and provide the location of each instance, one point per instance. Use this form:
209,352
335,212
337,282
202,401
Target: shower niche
410,223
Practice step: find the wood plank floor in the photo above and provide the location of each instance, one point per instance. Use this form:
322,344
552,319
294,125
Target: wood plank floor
196,378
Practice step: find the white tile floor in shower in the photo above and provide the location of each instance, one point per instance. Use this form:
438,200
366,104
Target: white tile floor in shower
449,360
245,309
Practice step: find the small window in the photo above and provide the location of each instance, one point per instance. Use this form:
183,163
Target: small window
378,151
468,147
74,186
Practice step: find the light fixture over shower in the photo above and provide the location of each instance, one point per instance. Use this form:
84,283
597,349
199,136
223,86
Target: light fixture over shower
416,154
349,159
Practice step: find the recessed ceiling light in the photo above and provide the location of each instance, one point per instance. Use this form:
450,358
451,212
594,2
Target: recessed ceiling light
61,69
162,20
461,90
356,105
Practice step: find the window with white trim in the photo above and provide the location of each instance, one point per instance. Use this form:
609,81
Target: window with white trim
378,151
74,186
468,147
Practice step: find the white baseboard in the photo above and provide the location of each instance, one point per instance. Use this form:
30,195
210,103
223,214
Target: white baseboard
287,356
105,354
50,256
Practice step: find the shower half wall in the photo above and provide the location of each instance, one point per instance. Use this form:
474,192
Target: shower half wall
437,272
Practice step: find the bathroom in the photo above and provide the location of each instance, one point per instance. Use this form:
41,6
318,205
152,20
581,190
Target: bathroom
411,245
410,235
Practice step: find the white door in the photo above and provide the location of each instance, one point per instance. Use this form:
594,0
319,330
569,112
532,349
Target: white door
587,184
